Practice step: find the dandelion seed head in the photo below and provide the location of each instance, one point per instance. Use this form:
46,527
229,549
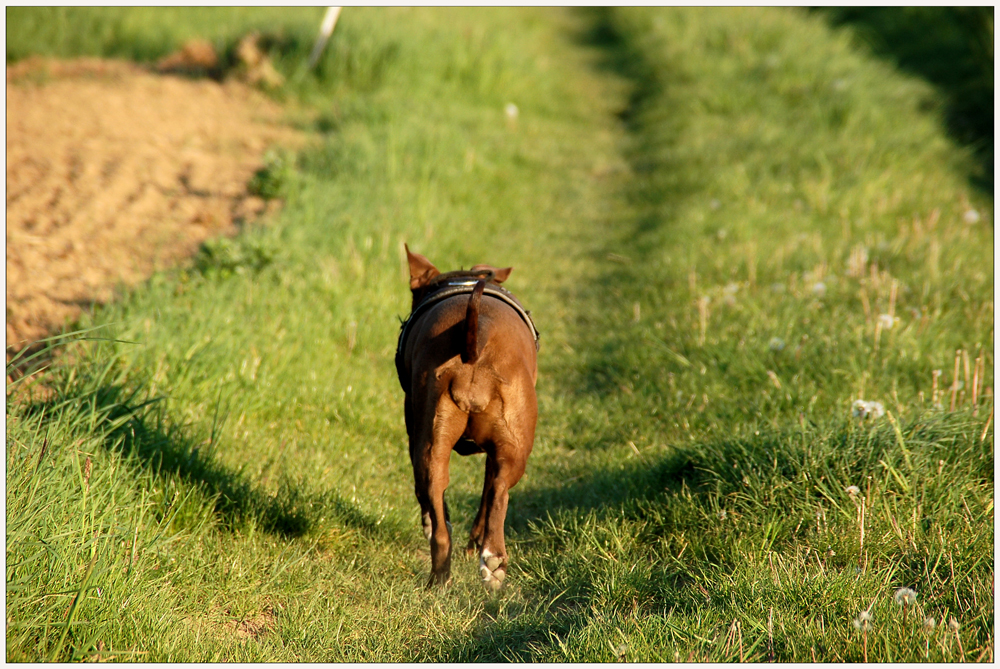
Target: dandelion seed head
971,216
819,289
730,292
887,321
776,344
905,597
853,490
511,111
929,624
953,624
867,409
863,621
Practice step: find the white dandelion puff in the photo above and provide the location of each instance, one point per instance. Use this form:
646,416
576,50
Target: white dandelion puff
819,289
511,111
864,409
905,597
776,344
863,622
887,321
853,490
971,216
730,292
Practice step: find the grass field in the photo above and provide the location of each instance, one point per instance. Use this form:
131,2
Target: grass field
730,225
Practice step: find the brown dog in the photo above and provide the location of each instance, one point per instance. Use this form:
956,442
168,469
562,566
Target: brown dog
467,361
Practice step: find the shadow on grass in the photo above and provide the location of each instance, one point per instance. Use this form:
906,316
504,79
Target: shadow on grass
774,481
140,430
950,47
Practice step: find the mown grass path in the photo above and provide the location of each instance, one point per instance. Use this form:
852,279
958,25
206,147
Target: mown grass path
729,225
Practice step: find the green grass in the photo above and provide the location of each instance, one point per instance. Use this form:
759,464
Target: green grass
952,47
677,183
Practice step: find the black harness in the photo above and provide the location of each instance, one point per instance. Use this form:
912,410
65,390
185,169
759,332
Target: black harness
449,285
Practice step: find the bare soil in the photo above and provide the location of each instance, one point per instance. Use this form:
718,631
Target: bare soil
114,172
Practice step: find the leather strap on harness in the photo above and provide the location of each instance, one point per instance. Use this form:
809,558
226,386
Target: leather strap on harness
449,285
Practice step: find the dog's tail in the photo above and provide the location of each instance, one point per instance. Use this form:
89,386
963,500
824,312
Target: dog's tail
472,323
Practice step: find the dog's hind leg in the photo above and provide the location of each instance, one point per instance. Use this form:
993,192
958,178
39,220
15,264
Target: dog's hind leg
511,446
430,457
510,464
479,526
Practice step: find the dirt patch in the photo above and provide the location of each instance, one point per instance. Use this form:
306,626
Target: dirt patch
114,172
252,628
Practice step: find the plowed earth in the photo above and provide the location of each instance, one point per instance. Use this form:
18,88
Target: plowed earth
114,172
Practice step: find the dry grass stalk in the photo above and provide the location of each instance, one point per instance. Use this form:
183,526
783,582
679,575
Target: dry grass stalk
954,380
893,292
867,307
861,524
975,384
965,364
703,319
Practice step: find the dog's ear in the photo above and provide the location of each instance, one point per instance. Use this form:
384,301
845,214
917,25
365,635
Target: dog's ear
499,275
421,269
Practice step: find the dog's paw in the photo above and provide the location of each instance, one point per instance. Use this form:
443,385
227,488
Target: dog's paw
492,569
439,581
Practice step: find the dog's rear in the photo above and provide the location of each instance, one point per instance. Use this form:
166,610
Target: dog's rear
470,367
